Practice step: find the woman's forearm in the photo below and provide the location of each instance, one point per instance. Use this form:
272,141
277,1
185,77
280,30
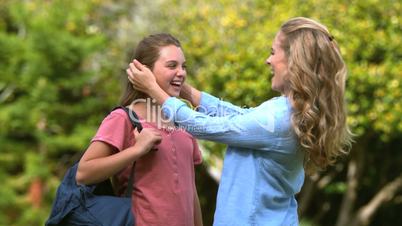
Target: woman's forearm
158,94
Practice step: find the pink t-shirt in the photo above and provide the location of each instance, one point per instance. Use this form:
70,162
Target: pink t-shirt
164,181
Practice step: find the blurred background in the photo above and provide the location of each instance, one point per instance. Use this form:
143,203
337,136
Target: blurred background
62,64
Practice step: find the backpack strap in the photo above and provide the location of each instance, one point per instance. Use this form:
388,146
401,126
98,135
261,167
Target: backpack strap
135,121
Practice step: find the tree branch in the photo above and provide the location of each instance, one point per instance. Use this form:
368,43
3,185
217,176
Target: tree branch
387,193
350,197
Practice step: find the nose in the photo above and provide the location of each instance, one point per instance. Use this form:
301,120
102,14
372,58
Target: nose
181,72
268,60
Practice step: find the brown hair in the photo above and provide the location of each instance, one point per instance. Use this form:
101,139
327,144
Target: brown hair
317,75
147,53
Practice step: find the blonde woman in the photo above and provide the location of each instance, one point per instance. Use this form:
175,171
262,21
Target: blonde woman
270,146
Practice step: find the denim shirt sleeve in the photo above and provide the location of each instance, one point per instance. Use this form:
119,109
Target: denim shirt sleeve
260,129
212,106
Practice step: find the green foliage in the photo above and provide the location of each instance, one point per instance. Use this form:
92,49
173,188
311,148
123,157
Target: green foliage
338,187
45,95
306,223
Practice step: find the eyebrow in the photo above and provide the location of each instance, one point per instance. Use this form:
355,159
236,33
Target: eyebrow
174,61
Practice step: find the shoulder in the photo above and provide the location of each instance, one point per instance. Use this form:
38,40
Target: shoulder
116,118
281,112
280,103
277,106
117,114
115,130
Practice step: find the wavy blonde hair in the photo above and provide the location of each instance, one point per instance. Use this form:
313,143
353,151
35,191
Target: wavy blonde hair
316,79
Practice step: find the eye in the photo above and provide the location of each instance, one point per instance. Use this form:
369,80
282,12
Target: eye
172,65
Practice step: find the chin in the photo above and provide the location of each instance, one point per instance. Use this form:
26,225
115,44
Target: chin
174,94
274,88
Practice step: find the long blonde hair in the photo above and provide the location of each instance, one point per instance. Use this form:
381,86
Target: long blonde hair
316,78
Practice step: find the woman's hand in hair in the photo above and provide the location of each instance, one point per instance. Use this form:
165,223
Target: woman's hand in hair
141,77
143,80
191,94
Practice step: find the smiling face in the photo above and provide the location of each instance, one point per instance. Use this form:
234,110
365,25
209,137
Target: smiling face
279,65
170,70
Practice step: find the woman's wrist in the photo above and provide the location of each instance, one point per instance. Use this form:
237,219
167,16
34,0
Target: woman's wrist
185,92
158,94
191,94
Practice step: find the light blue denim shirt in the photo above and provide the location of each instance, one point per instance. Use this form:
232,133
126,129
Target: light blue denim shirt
263,166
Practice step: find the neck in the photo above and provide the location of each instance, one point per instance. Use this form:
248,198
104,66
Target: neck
149,110
285,91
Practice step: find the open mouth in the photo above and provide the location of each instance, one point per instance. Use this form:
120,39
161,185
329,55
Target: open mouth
176,83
